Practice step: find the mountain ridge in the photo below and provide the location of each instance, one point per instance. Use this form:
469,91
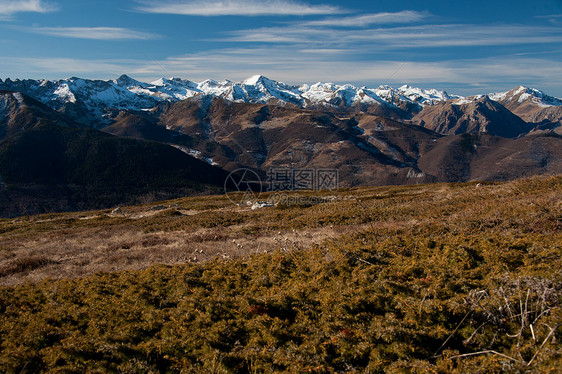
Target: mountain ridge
126,93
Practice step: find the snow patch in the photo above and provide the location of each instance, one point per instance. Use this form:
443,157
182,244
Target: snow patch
524,97
462,101
210,161
18,96
252,81
64,93
498,96
195,153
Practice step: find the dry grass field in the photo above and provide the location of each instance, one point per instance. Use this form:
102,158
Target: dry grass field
427,278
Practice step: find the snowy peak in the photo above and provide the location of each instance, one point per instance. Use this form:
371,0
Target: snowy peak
332,94
429,97
524,94
350,95
265,82
254,80
126,81
209,83
532,105
175,82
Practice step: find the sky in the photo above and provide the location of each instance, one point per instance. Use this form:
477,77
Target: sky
463,47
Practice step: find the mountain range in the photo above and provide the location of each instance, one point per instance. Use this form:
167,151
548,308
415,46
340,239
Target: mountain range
93,100
192,134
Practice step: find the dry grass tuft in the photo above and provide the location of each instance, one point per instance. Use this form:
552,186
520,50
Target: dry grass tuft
24,265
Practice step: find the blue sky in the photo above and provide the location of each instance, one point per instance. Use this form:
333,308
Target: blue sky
465,47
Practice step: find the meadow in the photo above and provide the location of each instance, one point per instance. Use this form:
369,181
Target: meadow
444,278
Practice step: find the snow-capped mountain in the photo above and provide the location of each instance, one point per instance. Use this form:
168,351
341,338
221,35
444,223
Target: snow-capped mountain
97,96
93,101
349,95
85,100
531,105
523,94
426,97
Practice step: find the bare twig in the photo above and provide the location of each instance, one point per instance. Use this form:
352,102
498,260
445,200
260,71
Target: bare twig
522,318
506,303
474,333
453,333
494,339
526,304
482,293
365,261
487,352
540,315
543,343
421,304
24,366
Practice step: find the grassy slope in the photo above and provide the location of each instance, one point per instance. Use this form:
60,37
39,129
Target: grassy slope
417,276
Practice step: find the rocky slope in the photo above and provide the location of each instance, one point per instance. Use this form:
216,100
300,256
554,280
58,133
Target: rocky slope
482,115
19,112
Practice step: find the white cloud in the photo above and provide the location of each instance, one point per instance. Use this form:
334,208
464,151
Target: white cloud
97,33
555,19
548,16
404,37
235,7
10,7
405,16
37,68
